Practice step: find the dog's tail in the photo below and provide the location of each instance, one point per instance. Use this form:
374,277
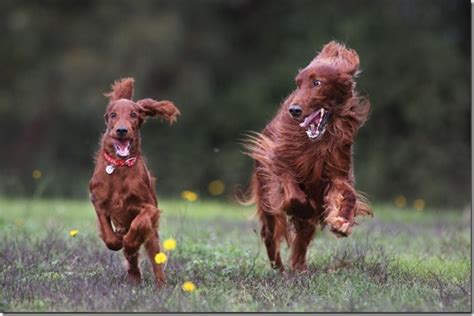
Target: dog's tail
249,196
362,205
259,147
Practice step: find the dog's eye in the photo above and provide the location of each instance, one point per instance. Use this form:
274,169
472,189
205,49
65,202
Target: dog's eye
133,114
317,83
112,114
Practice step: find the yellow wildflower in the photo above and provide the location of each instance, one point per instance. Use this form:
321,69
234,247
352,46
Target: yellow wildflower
216,187
189,196
36,174
400,201
188,286
160,258
169,244
73,232
419,204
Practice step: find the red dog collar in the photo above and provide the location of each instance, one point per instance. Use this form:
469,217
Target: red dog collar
119,162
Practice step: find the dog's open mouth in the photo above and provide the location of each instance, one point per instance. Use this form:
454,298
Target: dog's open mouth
122,147
315,123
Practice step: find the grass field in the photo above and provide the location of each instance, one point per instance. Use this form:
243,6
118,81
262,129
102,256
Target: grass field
400,260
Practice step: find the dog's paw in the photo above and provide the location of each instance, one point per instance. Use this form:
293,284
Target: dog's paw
277,265
160,281
134,277
341,227
300,268
114,244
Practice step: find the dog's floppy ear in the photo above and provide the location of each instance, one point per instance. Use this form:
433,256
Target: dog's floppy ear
164,110
345,87
121,89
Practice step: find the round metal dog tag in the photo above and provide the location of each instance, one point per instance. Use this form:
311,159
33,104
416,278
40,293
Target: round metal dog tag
109,169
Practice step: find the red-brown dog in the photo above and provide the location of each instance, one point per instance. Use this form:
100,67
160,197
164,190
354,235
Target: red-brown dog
121,187
303,158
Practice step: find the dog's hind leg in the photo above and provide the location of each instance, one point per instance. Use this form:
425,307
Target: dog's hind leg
152,246
133,270
274,225
272,231
141,230
304,233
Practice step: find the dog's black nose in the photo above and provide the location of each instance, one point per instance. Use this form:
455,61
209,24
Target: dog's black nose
295,110
121,132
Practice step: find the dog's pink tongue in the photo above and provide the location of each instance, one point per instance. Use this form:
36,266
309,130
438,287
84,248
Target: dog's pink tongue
122,148
310,118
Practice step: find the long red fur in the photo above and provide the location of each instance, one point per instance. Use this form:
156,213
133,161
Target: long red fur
125,200
299,184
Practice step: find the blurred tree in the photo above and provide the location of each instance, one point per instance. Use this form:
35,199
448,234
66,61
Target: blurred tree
228,65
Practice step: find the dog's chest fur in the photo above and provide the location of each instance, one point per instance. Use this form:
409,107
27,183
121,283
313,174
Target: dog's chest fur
305,159
121,193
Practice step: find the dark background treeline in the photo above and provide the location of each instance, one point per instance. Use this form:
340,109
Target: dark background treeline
228,65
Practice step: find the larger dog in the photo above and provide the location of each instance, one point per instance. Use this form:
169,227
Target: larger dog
121,187
303,171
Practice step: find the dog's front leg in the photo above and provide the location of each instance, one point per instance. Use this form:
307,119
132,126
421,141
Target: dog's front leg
107,233
340,203
292,191
295,201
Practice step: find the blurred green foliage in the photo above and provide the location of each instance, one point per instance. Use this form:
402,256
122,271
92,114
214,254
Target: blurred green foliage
228,65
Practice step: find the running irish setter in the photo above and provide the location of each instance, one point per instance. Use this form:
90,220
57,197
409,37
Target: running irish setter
121,187
303,174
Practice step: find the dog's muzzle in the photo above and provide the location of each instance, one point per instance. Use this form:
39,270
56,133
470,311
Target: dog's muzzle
316,123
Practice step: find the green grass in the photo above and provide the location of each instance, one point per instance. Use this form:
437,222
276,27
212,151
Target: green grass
400,260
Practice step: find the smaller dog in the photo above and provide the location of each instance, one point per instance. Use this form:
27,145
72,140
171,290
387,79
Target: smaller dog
121,189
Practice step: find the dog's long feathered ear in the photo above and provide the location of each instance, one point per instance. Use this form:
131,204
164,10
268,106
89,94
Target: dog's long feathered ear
121,89
164,110
346,59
